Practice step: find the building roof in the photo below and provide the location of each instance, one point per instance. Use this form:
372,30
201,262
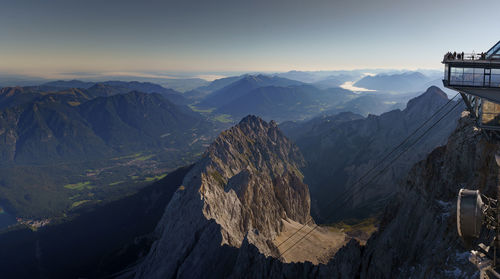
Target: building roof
494,52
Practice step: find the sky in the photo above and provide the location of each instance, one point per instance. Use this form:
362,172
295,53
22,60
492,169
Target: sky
87,36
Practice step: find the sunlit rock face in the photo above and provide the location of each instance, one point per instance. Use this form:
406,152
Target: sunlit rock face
244,186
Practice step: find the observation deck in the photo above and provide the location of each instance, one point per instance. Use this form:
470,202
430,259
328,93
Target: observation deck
477,78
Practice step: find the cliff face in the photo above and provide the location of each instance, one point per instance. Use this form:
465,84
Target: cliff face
244,186
418,236
340,152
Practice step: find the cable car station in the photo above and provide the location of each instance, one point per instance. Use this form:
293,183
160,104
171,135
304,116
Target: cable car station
477,78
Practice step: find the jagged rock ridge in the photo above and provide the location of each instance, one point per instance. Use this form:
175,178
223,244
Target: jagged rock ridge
244,186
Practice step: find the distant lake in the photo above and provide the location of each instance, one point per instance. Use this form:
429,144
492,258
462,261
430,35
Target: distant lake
6,219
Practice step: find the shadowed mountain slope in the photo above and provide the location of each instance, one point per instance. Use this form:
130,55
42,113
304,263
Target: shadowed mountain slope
242,86
64,149
51,128
286,103
339,153
95,244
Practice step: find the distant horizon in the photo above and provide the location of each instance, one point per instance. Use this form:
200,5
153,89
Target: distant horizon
44,38
208,76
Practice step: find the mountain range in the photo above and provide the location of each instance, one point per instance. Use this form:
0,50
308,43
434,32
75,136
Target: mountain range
202,91
241,87
87,128
62,148
231,206
228,215
247,187
404,82
276,98
68,126
286,103
17,95
108,88
340,149
127,179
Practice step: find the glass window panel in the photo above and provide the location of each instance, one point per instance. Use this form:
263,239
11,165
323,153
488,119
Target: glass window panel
478,79
479,71
495,81
468,78
456,78
478,76
487,80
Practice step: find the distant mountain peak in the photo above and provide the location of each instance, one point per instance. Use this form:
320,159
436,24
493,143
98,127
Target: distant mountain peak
256,78
243,86
435,90
432,95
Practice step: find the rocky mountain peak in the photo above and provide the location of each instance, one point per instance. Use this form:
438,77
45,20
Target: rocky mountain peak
11,91
244,187
251,119
255,143
432,95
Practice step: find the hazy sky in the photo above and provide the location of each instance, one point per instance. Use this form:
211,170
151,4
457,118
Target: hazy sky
41,37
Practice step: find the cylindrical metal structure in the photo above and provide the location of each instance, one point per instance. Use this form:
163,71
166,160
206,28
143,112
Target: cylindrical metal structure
469,213
497,238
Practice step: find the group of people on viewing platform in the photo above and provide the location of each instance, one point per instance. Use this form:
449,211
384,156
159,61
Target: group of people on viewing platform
461,56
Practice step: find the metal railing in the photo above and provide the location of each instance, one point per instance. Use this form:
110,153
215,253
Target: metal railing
464,56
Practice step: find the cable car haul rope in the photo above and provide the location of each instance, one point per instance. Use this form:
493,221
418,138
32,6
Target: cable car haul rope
348,193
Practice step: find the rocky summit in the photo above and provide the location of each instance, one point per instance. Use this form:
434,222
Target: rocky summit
242,190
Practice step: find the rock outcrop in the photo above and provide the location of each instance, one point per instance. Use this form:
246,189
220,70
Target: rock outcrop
244,186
